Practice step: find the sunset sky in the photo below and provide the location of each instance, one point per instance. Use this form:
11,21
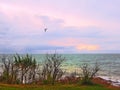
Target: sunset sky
74,26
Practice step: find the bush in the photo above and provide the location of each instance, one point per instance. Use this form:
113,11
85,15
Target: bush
88,73
51,69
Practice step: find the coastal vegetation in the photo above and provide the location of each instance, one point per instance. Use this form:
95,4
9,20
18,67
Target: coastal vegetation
24,70
88,73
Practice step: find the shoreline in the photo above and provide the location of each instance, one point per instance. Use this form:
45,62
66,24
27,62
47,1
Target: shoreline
96,80
112,81
106,82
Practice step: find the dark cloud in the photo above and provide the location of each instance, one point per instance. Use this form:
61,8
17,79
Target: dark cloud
30,49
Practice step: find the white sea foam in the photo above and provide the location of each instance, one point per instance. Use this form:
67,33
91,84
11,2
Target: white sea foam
114,81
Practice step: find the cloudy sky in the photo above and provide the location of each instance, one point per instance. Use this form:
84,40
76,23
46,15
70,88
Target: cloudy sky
74,26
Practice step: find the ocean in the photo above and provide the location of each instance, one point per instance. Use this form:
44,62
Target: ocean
109,63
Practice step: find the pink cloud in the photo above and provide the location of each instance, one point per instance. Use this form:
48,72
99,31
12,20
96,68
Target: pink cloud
76,43
13,11
68,42
88,47
92,30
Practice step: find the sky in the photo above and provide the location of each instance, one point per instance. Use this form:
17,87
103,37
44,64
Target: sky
73,26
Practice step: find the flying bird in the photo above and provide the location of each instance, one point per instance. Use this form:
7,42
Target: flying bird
45,29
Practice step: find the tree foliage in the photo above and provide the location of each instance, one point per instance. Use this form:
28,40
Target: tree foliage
26,66
88,72
52,68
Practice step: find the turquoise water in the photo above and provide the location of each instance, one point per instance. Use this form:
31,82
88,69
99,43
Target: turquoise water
109,63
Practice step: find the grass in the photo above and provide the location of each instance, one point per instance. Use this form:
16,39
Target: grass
49,87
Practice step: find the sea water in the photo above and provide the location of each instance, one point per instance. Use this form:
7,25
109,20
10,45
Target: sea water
109,63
